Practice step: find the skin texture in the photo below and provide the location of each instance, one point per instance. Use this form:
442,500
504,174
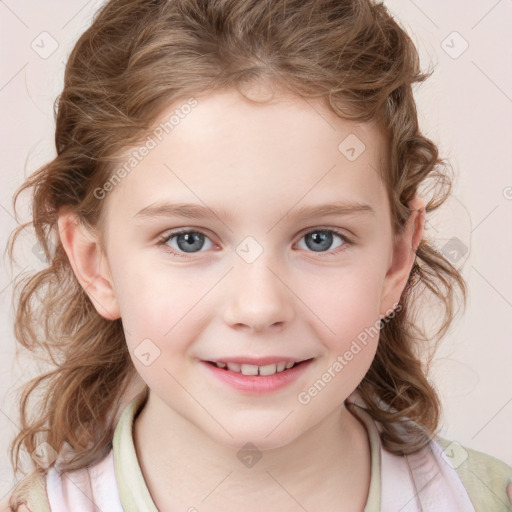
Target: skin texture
260,163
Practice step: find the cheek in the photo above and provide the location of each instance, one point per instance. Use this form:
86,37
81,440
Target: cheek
345,301
160,304
349,331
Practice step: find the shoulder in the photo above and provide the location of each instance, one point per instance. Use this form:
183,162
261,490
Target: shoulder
488,480
30,490
5,507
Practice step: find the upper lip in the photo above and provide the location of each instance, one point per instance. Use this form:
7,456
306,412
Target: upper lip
257,361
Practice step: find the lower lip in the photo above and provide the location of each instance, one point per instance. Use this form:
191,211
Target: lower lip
258,384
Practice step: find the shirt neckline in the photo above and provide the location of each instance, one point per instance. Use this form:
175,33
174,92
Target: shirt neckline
134,493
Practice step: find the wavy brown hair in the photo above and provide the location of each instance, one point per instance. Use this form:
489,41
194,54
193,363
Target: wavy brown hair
137,58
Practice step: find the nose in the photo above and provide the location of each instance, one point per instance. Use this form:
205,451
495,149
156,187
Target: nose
259,297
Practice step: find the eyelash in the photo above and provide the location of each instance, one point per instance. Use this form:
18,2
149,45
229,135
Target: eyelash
163,241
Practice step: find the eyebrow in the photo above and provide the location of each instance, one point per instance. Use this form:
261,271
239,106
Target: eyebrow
197,211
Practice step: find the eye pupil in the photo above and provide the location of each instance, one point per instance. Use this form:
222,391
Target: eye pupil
191,241
324,238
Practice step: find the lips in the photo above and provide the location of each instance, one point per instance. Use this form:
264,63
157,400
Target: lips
257,383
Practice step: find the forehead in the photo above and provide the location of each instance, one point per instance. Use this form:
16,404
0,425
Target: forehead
230,152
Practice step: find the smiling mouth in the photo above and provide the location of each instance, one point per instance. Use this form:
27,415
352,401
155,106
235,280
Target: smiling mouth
251,369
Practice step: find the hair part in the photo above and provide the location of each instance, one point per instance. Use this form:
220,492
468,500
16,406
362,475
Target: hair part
137,58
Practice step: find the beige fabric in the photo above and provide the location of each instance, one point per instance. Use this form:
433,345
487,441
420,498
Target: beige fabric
488,480
31,491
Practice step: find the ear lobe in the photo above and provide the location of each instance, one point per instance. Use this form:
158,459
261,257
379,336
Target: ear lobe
404,253
89,264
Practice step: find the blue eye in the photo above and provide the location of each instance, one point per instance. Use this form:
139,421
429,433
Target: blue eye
321,240
186,242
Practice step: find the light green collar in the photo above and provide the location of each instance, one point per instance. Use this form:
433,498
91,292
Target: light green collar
133,491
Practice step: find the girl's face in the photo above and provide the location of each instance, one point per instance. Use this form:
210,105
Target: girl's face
290,254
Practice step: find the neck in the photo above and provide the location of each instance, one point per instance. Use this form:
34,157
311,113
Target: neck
182,465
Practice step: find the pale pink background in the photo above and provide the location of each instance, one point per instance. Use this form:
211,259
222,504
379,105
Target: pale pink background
465,107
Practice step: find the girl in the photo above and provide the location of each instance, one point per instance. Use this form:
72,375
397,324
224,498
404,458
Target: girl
234,230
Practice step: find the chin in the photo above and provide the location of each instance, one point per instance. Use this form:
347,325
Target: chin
254,438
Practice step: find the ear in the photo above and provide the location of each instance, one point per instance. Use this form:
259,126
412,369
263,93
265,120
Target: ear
89,264
404,253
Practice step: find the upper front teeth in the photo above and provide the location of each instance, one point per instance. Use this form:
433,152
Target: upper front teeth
251,369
